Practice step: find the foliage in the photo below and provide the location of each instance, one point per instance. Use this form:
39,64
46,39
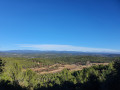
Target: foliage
15,76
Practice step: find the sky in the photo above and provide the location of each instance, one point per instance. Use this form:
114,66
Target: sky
88,25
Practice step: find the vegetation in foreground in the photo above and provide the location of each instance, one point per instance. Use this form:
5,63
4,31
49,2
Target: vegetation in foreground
98,77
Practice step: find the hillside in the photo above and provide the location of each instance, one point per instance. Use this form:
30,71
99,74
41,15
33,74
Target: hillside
62,73
48,54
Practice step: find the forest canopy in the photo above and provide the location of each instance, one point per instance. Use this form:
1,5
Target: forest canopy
15,74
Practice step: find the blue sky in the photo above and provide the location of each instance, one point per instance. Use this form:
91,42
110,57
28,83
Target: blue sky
78,23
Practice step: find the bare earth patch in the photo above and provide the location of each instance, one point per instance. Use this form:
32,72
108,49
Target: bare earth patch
59,67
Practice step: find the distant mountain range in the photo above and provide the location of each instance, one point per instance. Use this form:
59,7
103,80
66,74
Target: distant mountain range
38,53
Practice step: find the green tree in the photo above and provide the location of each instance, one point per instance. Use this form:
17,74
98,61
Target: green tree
16,73
31,79
2,63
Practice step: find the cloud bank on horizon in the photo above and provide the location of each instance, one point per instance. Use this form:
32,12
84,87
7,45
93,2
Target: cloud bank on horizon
54,47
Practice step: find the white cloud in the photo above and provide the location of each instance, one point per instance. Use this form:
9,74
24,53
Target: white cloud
50,47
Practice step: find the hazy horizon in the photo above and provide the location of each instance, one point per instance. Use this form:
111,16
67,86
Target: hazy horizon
52,47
